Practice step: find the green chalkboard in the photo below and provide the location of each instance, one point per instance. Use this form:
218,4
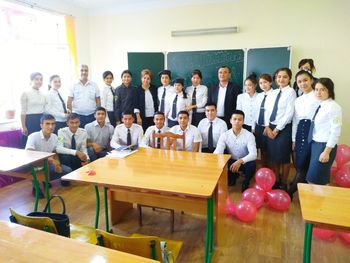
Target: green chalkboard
138,61
208,62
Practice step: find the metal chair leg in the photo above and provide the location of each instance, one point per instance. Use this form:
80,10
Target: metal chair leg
139,209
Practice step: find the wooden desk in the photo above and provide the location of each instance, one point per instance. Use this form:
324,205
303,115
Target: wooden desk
165,178
23,244
12,158
323,206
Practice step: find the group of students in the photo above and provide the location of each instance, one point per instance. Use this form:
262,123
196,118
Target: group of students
305,119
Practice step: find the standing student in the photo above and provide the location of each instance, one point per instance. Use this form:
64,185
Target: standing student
71,145
240,143
125,96
246,102
146,100
224,94
165,90
33,104
176,102
211,128
158,127
278,126
198,95
55,103
99,134
84,97
306,64
324,133
108,97
265,83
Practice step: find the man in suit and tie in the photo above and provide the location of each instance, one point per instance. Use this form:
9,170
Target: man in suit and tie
224,94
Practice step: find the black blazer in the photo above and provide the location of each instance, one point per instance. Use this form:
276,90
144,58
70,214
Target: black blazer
140,99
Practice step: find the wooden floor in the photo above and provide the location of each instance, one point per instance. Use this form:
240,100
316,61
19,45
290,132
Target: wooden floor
272,237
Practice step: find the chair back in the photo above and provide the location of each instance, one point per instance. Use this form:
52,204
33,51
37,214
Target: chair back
171,140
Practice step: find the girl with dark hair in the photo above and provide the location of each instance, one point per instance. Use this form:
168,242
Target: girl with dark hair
306,64
108,97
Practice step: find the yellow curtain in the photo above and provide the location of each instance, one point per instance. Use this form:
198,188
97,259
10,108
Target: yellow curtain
70,31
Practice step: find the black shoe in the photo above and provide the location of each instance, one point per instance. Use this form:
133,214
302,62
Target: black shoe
283,186
48,184
277,185
41,195
245,186
65,183
232,180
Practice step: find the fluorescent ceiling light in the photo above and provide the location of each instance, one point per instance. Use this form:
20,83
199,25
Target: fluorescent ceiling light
204,31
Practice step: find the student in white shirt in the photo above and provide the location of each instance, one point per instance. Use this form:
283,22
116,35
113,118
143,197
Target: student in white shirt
165,90
108,97
84,97
246,102
56,105
325,133
176,102
211,128
240,143
71,145
158,127
198,95
193,137
306,64
278,126
127,133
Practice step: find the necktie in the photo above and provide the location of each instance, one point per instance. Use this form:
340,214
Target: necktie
158,140
128,138
162,101
275,107
62,101
312,125
261,119
173,111
210,137
113,93
194,101
73,143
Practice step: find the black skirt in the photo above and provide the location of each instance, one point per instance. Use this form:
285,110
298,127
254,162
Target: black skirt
280,148
260,138
302,147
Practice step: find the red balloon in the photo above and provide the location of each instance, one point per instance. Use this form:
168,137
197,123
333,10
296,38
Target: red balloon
343,155
334,170
258,187
265,178
246,211
278,199
324,234
345,237
342,177
256,197
230,207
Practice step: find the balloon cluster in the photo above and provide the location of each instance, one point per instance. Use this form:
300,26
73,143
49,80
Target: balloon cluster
253,198
331,235
342,170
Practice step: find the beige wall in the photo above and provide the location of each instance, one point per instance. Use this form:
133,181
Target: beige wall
314,29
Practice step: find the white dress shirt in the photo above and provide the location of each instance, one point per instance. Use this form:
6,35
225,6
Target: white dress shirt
192,135
247,104
107,98
219,127
100,135
65,138
259,98
305,107
36,141
328,122
181,104
285,110
84,97
241,146
221,101
54,106
33,101
147,138
149,104
121,132
169,90
201,96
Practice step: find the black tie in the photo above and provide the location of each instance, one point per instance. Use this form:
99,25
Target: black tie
113,93
275,107
62,101
210,137
128,138
261,120
194,101
158,140
73,143
162,101
312,125
173,111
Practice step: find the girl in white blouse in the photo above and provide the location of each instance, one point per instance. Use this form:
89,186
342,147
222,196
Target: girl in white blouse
108,97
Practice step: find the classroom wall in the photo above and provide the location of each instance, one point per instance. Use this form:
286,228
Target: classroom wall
314,29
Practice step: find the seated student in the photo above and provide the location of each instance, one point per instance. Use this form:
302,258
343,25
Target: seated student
99,134
46,141
211,128
240,143
127,133
192,135
159,127
71,145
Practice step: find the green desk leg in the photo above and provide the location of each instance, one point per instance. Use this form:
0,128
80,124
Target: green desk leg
307,242
36,187
209,243
106,210
47,190
97,215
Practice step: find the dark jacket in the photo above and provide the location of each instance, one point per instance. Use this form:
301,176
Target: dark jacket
140,99
125,100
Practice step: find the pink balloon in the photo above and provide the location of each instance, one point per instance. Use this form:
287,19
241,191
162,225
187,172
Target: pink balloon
230,207
265,178
342,177
256,197
345,237
246,211
278,199
343,155
258,187
324,234
334,170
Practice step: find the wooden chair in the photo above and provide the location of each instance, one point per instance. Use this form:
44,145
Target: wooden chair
79,232
170,140
141,245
